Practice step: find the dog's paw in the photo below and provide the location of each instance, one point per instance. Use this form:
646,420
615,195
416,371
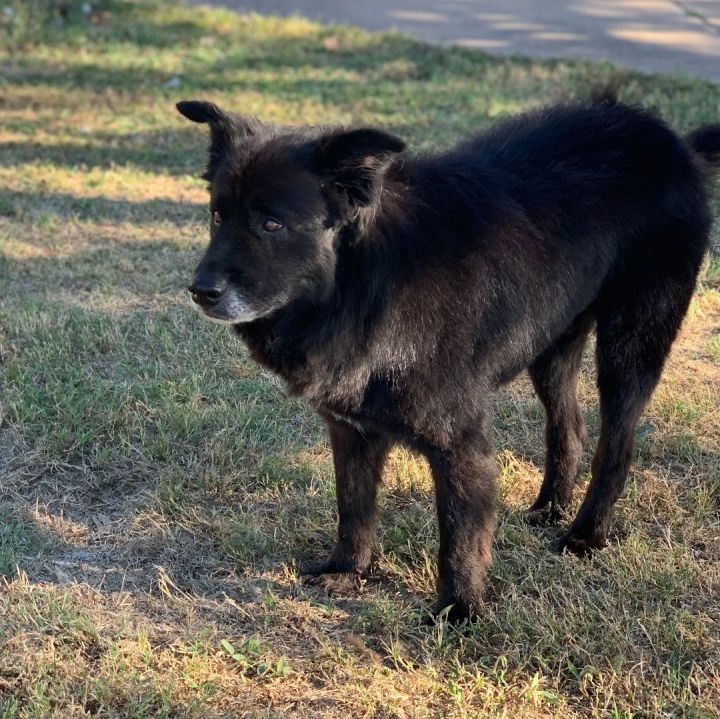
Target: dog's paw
543,513
545,516
580,546
315,569
456,613
335,584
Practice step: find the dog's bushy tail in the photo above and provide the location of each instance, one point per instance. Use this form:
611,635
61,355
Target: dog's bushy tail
705,141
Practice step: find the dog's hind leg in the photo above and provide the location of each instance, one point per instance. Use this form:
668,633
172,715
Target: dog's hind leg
554,374
359,458
636,326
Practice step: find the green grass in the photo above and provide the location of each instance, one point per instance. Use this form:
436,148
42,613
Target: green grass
158,490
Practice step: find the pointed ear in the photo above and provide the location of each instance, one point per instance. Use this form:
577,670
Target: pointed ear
354,160
226,129
198,111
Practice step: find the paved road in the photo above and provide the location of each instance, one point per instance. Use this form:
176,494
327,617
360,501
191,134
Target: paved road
651,35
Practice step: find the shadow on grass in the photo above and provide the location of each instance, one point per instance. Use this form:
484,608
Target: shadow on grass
209,524
174,470
66,206
164,459
172,465
176,152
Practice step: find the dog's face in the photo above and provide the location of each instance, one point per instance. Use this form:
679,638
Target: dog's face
278,198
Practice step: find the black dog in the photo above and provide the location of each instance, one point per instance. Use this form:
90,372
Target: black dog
397,292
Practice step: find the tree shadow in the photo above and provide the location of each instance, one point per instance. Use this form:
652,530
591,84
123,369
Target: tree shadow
120,516
66,206
155,151
172,534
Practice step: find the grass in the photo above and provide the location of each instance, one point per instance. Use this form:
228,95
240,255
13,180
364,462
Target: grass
158,490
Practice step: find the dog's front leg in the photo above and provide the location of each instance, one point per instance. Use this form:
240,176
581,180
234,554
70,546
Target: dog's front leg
359,458
465,490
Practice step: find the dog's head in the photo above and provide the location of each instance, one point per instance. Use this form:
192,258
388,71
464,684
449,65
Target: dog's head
278,199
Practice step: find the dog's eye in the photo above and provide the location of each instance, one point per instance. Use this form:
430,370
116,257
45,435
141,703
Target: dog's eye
216,218
271,225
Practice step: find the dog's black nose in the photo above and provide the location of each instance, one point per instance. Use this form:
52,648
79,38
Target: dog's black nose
207,291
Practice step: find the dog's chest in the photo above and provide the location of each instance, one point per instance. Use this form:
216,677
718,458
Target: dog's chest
346,419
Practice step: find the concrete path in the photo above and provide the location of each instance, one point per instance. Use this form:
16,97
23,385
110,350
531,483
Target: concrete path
650,35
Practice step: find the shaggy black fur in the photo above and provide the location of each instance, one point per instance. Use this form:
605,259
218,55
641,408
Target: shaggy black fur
397,292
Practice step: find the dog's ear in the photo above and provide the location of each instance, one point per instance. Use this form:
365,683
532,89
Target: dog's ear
198,111
354,159
226,129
